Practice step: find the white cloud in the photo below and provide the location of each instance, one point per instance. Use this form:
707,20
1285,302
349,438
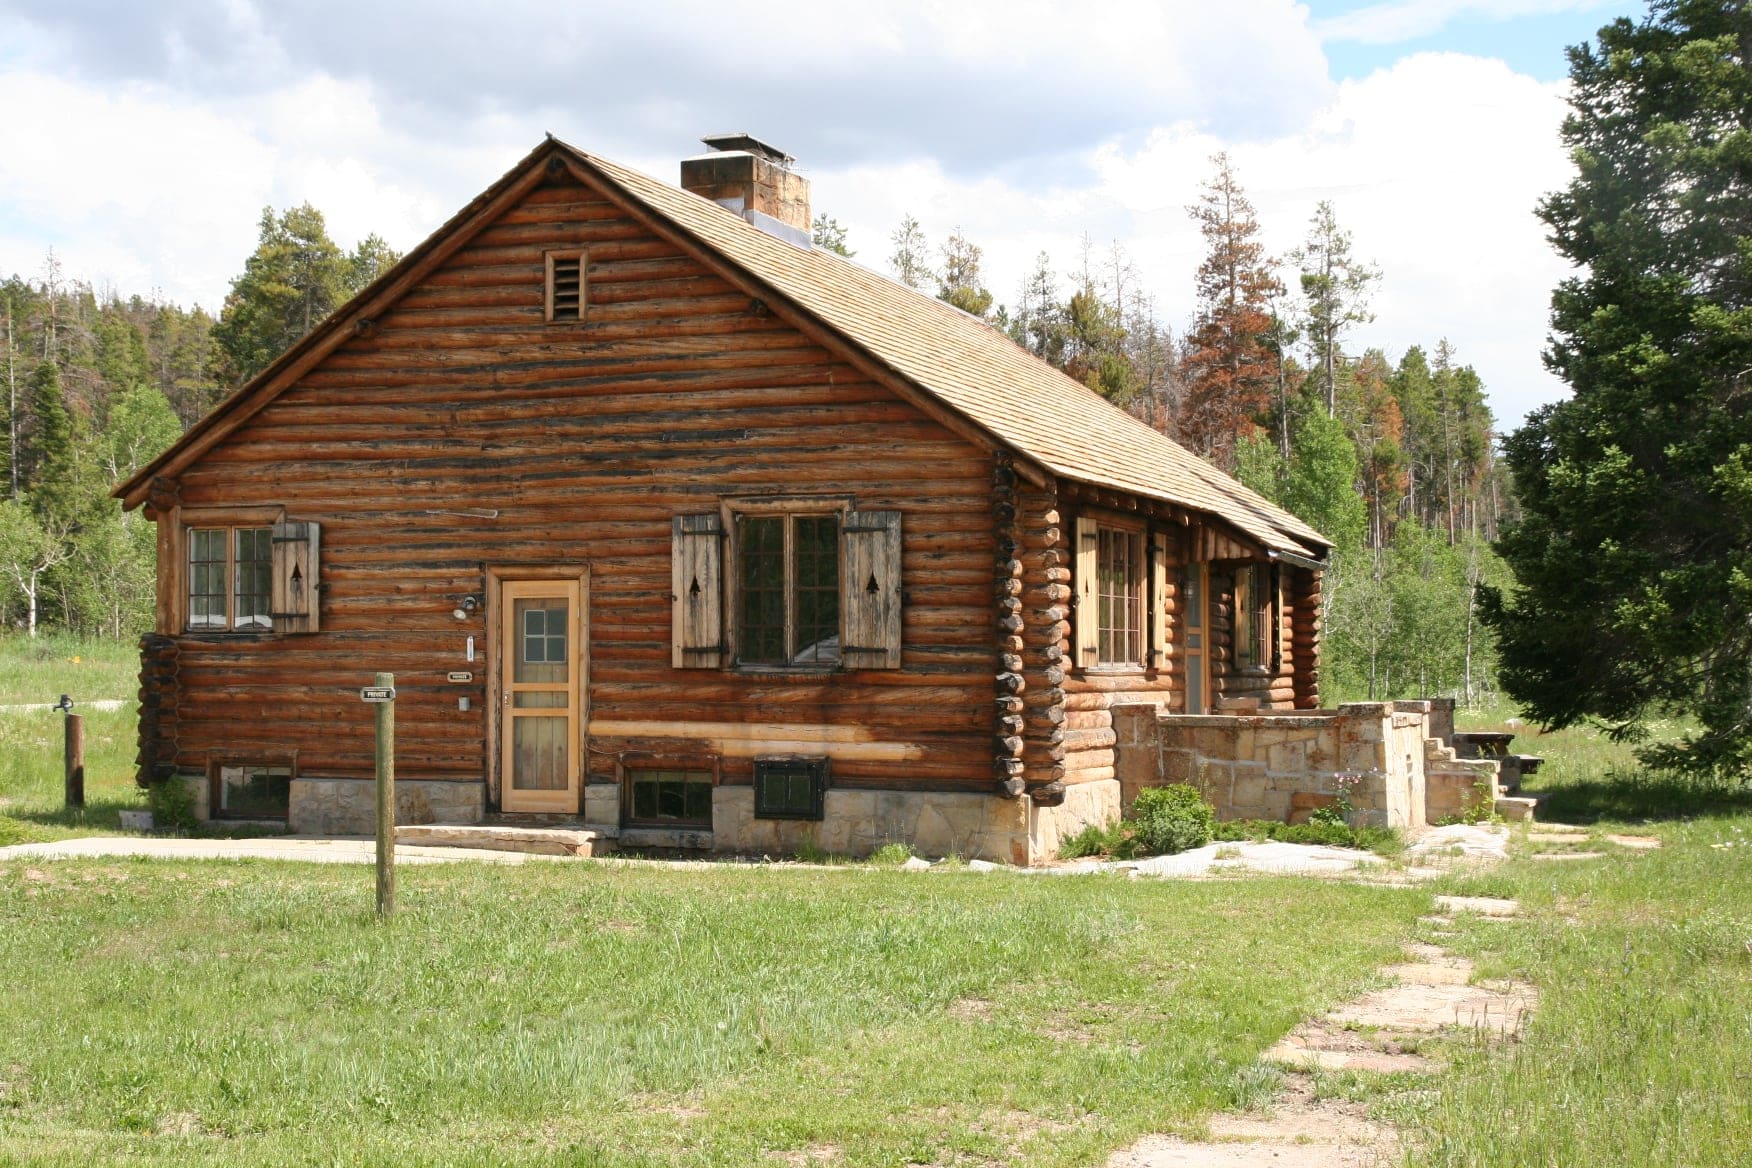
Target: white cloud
1434,164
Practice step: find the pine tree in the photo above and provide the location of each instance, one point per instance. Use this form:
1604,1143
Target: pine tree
1633,557
826,234
48,454
295,278
1335,291
909,260
1231,364
959,280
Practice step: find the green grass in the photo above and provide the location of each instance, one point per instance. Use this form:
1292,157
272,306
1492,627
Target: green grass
1640,1048
634,1015
253,1013
86,669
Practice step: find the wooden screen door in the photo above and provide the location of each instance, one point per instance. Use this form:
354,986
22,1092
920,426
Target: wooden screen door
1194,632
540,629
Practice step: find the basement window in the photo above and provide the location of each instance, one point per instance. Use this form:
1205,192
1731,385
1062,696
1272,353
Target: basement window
789,788
565,286
667,797
252,791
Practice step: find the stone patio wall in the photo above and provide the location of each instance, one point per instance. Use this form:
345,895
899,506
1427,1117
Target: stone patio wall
1399,771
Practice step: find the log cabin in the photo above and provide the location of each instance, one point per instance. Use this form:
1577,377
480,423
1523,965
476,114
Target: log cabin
672,525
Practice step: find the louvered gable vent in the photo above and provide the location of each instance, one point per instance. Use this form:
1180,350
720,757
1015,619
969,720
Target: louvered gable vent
565,286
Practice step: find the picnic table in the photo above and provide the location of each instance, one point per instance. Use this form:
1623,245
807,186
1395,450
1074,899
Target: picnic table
1494,744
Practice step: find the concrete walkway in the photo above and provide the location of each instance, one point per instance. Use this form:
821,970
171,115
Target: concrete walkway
310,849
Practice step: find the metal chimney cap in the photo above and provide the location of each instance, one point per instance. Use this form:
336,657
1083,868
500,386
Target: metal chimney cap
741,140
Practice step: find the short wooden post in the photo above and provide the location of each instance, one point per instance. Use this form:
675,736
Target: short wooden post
385,797
74,764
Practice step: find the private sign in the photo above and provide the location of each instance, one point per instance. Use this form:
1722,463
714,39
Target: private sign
377,693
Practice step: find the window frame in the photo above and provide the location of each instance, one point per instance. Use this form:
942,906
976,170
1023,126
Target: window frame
789,508
233,526
1257,624
1144,604
217,765
629,763
1134,596
816,769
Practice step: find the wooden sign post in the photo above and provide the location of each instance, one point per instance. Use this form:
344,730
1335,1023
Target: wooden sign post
75,761
382,695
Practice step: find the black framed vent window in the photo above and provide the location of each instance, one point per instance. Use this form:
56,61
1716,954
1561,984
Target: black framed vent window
789,788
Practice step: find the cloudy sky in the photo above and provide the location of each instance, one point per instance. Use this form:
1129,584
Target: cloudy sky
142,140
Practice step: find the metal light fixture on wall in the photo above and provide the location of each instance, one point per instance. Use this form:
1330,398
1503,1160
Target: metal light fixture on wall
466,607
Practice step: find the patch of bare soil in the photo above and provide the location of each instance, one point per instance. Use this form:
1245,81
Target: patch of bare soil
970,1009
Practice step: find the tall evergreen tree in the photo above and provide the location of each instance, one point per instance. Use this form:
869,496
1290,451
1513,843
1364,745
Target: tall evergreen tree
958,283
296,277
910,259
1335,290
1633,559
1231,362
48,453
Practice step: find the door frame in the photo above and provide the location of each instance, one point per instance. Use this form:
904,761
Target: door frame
1202,569
497,576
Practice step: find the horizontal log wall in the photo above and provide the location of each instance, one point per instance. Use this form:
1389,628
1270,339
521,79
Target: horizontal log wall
462,432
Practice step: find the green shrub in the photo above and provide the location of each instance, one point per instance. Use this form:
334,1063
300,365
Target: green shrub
1172,819
891,855
173,805
1094,840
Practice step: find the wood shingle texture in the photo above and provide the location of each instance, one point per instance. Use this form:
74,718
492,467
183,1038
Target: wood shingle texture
1016,400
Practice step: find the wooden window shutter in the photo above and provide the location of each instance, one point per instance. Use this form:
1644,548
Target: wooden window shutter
1158,602
1088,593
870,590
294,602
697,591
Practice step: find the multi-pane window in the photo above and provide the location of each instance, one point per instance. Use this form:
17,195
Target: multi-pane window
787,587
253,792
230,575
1255,617
1120,594
669,796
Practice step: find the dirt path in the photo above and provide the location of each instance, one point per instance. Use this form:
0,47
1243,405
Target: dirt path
1378,1033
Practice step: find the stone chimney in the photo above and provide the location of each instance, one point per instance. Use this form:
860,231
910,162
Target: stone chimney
755,180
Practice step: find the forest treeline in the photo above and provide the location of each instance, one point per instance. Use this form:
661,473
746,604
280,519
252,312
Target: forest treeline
1393,460
98,384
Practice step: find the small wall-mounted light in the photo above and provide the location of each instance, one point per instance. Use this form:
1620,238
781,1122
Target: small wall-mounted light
466,607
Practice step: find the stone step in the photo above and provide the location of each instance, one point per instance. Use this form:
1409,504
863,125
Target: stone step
1518,808
540,841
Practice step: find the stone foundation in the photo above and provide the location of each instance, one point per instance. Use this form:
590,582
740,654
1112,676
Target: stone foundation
856,823
349,806
1085,803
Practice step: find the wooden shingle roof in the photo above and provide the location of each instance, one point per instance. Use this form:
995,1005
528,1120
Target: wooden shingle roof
975,370
977,373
